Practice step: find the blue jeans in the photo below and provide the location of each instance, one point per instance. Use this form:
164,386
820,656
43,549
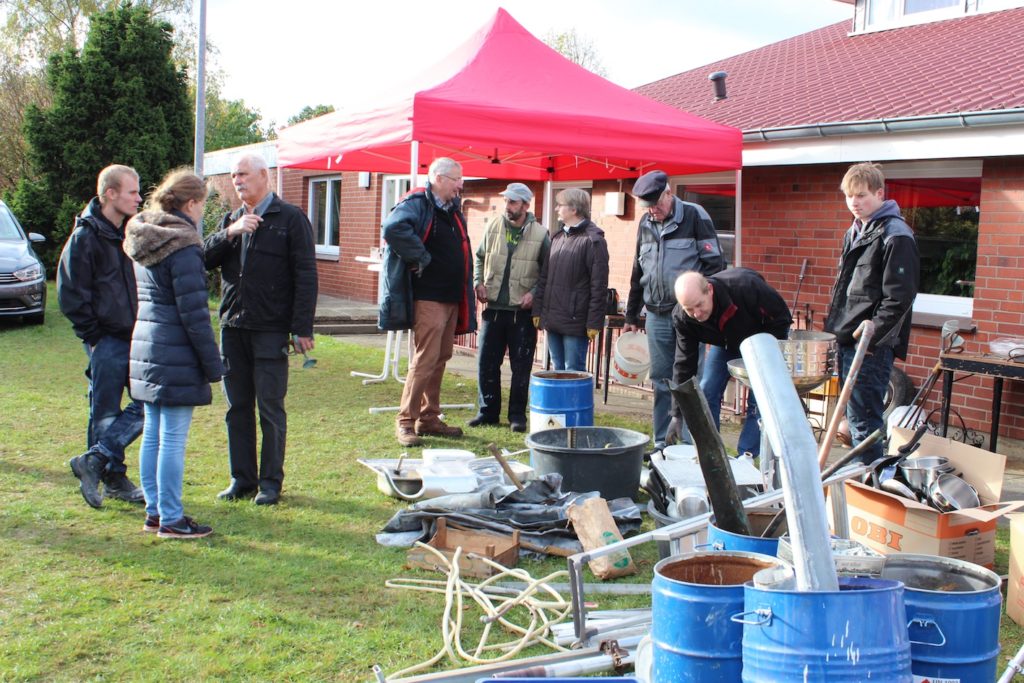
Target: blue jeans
716,378
111,428
867,400
502,331
162,459
567,353
661,345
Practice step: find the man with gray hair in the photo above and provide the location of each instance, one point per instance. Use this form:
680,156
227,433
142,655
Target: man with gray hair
268,292
509,259
428,288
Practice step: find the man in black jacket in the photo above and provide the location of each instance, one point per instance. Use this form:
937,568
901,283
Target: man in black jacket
96,291
879,272
723,310
269,285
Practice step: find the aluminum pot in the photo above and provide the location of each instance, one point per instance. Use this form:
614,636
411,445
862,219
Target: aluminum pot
808,353
949,492
921,472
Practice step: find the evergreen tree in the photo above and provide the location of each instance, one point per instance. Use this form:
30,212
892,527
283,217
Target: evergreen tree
121,100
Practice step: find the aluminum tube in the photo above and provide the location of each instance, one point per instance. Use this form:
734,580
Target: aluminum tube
790,434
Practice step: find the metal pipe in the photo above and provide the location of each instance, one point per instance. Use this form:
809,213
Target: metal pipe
791,437
865,332
1014,667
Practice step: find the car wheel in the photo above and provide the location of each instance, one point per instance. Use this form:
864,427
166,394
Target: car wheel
36,319
900,391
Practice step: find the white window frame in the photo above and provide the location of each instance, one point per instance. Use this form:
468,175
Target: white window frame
901,18
393,191
961,307
325,249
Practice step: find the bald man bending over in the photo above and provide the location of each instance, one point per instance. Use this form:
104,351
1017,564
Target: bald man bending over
722,310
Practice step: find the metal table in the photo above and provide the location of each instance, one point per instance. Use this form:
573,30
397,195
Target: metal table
996,367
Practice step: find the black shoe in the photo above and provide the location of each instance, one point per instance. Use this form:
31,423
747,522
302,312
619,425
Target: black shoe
267,497
186,527
237,492
88,467
152,524
119,486
517,426
480,421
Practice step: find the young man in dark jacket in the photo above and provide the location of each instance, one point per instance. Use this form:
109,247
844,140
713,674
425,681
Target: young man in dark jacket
723,310
673,237
428,287
878,278
96,291
268,291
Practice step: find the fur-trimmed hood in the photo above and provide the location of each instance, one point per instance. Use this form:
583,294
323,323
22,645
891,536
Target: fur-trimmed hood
152,236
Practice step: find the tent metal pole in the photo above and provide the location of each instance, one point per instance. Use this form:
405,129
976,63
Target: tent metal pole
738,220
414,163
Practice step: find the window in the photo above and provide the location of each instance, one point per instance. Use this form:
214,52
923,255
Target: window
877,15
325,213
395,187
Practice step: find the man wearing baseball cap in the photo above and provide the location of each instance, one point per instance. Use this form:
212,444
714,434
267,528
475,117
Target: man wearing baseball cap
673,237
508,262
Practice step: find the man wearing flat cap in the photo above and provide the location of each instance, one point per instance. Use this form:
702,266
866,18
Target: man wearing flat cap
673,237
508,263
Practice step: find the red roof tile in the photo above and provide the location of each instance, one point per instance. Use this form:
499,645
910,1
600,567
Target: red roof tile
973,63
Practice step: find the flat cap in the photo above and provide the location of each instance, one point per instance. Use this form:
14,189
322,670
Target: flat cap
649,187
517,192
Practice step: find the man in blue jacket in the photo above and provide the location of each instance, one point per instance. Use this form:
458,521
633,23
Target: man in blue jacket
96,291
879,272
268,292
673,237
428,288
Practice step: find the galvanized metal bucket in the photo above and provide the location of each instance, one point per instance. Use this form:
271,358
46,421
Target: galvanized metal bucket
808,353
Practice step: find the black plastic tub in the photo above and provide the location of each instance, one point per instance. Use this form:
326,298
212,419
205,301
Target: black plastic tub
604,459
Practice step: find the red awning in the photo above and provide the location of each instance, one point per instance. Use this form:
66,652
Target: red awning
506,105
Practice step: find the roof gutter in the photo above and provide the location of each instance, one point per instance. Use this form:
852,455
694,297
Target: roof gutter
996,117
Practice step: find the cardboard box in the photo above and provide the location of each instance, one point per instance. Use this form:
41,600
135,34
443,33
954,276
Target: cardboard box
892,524
1015,584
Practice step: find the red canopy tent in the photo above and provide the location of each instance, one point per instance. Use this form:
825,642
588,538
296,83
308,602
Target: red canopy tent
507,106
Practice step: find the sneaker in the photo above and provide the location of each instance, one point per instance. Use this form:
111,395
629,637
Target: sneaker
407,436
186,527
437,428
152,524
121,487
518,426
88,467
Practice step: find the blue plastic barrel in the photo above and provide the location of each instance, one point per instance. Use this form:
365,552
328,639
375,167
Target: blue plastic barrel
858,633
719,539
561,398
952,616
693,597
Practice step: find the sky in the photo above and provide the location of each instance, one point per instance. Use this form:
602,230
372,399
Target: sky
282,56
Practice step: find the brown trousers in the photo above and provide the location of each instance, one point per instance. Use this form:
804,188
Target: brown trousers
433,339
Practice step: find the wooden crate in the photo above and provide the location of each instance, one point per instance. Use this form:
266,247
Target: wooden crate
495,547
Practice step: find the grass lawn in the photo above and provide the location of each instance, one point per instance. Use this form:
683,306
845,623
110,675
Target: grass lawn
292,592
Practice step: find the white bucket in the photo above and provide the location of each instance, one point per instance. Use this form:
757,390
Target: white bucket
631,359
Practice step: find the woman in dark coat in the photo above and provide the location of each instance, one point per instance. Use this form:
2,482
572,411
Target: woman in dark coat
572,291
173,355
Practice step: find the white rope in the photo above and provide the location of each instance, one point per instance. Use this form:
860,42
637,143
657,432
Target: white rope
544,605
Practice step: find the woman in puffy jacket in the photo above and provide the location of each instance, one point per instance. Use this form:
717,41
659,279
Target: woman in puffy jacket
174,357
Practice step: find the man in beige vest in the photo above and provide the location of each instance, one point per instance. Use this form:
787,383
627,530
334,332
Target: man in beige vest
508,263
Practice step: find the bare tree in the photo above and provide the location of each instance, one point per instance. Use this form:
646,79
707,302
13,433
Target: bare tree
577,49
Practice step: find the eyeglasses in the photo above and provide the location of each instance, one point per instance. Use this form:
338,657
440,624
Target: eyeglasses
454,180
